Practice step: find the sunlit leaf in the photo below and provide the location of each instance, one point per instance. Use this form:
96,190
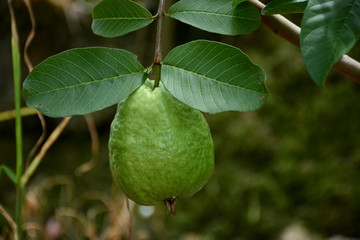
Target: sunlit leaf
284,7
214,77
330,28
113,18
217,16
84,80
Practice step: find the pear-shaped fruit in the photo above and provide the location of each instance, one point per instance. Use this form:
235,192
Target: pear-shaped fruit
160,148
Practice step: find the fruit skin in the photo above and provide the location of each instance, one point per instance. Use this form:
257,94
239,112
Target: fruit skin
159,147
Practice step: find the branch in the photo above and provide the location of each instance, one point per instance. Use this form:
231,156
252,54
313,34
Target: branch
282,27
158,56
160,14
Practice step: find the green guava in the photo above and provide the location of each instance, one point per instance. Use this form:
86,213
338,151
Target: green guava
160,149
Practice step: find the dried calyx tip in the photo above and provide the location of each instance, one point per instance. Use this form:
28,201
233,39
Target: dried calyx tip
170,205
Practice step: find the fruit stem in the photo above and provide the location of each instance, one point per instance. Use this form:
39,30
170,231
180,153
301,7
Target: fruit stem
171,205
157,75
158,56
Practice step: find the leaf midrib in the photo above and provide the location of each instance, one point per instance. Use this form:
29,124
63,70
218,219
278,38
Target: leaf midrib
214,13
85,83
220,82
125,18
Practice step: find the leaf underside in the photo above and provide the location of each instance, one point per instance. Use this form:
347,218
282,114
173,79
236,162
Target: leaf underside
284,7
329,30
81,81
113,18
217,16
214,77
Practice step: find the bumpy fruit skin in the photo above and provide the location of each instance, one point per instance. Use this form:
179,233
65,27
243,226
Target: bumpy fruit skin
159,147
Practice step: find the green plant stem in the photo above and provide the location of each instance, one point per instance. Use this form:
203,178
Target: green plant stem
17,96
19,210
158,56
287,30
11,114
18,135
18,126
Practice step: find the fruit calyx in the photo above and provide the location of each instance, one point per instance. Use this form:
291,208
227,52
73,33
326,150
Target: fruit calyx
170,205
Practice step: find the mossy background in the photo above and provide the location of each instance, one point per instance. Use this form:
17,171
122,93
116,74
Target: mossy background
292,167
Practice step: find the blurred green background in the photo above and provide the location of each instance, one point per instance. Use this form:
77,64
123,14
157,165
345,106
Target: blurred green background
287,171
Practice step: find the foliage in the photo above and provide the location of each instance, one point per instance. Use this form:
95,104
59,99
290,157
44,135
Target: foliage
217,16
81,81
285,7
114,18
298,164
329,30
245,90
214,77
319,48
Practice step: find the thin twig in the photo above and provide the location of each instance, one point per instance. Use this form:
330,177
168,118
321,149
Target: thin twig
11,222
30,68
287,30
87,166
30,36
39,141
72,213
38,158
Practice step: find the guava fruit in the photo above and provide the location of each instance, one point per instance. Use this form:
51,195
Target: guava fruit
160,149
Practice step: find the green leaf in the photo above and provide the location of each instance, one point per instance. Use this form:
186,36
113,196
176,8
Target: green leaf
217,16
81,81
330,28
113,18
235,2
8,172
214,77
284,7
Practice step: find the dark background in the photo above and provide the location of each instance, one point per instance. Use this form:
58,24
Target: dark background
287,171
